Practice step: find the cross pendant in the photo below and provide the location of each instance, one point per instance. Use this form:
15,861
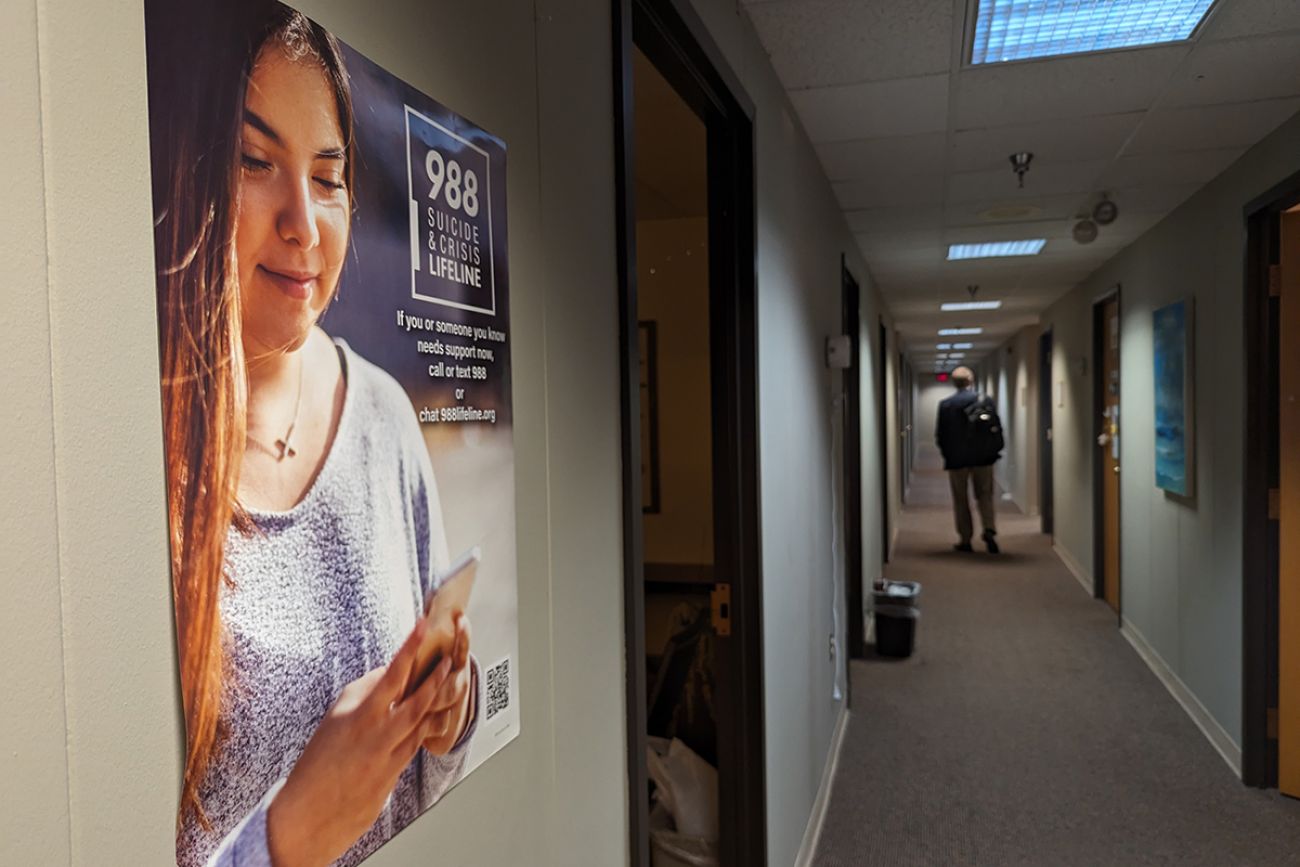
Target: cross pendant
286,450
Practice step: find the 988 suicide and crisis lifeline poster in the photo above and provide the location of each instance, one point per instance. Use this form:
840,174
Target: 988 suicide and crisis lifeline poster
333,311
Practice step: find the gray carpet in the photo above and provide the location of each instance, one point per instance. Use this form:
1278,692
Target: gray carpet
1025,729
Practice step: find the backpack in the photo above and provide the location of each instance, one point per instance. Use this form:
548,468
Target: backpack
983,432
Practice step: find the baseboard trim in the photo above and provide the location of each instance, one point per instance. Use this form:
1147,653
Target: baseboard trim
1209,726
813,833
1076,569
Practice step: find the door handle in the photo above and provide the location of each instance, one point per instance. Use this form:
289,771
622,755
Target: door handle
1117,469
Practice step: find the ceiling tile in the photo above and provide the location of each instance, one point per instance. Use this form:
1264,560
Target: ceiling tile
1238,71
907,217
886,191
1212,126
1231,18
816,43
1037,90
1168,169
1152,198
1063,140
883,242
876,109
978,212
1045,180
874,157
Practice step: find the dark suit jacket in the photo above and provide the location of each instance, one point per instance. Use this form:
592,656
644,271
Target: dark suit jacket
951,432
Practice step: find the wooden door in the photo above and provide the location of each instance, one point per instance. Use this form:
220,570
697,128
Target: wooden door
1108,443
1288,501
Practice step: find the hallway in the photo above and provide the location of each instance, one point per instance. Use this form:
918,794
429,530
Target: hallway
1025,729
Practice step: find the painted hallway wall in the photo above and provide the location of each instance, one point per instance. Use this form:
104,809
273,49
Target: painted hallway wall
1181,561
1010,374
92,641
801,237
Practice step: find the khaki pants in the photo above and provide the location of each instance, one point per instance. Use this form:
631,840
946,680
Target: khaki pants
960,481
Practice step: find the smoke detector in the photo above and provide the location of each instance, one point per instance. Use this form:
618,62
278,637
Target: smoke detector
1084,232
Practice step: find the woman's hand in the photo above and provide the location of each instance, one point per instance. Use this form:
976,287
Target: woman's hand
341,781
453,708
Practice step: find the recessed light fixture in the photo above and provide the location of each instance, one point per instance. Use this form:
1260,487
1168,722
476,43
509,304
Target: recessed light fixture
959,332
1028,247
1021,29
963,346
943,346
956,356
953,306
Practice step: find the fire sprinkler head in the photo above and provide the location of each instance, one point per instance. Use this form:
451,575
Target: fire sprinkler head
1020,164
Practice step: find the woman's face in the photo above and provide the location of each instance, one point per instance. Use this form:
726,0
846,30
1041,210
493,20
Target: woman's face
291,231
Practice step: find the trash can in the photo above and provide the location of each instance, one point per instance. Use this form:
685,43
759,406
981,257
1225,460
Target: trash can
670,849
897,610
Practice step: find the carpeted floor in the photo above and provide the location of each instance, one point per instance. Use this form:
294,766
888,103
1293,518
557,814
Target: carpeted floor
1025,730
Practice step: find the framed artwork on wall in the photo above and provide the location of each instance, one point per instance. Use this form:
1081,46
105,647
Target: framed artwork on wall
647,334
1173,330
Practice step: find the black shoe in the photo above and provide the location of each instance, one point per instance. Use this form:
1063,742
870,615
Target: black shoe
963,547
991,542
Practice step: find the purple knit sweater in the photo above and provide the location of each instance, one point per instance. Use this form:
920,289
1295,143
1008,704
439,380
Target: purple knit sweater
324,593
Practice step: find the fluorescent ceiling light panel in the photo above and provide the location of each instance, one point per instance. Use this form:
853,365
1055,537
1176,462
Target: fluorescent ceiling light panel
996,249
1022,29
970,305
958,332
956,355
963,346
943,346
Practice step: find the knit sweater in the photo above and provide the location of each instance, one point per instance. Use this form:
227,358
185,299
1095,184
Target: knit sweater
322,594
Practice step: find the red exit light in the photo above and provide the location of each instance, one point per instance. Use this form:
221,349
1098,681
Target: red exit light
941,377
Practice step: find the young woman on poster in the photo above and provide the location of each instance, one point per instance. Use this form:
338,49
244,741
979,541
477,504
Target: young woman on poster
306,527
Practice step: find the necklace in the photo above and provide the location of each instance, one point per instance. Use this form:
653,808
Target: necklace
284,444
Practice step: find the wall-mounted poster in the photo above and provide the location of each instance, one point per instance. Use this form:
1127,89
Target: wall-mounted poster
333,310
1175,422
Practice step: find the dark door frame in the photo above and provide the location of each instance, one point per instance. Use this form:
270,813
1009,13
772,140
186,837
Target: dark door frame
1046,480
854,580
674,38
1098,466
882,408
1261,452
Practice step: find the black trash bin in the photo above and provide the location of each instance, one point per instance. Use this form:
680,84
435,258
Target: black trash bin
897,609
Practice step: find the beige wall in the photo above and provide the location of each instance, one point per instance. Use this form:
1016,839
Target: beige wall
675,295
1181,561
79,326
801,237
1010,374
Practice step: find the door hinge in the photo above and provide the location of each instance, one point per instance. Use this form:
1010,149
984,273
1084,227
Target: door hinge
1274,504
1272,723
1274,280
722,609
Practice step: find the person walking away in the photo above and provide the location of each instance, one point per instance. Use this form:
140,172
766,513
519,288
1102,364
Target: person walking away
969,435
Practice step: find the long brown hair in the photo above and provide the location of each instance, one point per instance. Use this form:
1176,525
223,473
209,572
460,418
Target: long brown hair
200,58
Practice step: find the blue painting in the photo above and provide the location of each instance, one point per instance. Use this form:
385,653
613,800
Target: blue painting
1175,455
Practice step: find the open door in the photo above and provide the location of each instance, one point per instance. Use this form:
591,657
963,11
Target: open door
1106,387
688,337
1045,492
1287,498
854,581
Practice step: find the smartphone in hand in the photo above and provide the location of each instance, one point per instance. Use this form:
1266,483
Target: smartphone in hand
442,606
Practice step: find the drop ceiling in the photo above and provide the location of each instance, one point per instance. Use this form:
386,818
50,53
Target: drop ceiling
916,142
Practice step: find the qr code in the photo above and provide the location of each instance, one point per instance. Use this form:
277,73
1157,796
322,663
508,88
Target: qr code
498,689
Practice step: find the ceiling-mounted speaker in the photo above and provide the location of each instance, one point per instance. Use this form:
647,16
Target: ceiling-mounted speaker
1084,232
1105,212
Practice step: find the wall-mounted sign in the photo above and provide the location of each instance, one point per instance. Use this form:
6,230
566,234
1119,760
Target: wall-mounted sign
333,307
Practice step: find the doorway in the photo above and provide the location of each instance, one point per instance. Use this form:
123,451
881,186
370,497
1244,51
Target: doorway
692,573
852,398
882,410
1270,750
1045,433
1106,467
